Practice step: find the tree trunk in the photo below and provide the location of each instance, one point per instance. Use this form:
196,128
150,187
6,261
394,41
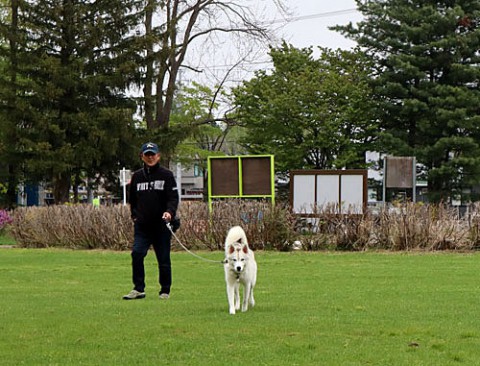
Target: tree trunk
147,88
61,188
12,187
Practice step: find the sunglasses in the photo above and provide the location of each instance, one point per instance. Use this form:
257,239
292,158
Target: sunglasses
149,154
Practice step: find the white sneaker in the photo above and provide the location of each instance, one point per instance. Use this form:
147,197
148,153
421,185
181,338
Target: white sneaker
134,294
164,296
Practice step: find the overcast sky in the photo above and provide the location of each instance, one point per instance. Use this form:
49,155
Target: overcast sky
306,25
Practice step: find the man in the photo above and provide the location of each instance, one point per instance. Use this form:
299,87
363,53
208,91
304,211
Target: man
153,203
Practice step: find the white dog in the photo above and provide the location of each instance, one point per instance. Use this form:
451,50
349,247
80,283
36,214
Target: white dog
240,268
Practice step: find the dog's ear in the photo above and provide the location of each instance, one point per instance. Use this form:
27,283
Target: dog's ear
245,249
231,249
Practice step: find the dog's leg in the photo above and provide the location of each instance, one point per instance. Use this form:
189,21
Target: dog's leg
231,297
252,300
246,296
254,281
237,295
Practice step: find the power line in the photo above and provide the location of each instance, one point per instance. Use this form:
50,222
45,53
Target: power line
291,20
314,16
286,21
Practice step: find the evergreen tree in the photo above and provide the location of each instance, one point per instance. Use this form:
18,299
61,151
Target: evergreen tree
427,84
73,63
10,109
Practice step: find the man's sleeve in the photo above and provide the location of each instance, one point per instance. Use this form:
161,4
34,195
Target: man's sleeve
132,195
172,196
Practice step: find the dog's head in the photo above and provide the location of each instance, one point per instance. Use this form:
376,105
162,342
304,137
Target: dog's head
237,256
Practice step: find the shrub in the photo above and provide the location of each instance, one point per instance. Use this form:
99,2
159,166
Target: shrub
402,227
410,226
5,220
73,226
266,226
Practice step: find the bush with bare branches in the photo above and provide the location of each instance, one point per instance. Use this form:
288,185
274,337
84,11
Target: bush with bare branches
410,226
402,227
266,226
73,226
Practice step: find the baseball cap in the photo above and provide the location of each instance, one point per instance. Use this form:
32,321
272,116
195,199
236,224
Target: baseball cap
149,147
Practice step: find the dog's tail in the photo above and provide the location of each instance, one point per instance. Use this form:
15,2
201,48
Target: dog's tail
236,235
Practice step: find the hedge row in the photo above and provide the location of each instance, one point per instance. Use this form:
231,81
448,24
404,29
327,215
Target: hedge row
406,227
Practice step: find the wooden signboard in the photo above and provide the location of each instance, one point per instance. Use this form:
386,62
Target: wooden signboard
248,176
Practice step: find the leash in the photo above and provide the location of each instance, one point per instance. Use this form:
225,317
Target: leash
169,226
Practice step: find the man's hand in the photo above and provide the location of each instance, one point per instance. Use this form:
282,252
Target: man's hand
167,217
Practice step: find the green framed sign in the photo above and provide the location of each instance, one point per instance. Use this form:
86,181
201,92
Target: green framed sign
244,176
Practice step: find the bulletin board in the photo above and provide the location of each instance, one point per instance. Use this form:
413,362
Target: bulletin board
246,176
312,190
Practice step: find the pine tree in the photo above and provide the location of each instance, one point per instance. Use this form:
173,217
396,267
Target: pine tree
74,62
10,110
427,85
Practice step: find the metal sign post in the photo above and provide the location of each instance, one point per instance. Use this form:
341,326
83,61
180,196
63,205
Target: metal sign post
125,176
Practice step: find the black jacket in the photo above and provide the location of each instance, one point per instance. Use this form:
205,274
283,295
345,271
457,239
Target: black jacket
153,191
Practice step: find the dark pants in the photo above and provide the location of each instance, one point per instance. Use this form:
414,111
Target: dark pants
161,241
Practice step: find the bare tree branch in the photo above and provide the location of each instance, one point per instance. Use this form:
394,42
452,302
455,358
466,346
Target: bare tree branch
183,23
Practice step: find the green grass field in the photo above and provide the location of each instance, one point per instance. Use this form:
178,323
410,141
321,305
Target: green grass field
61,307
6,239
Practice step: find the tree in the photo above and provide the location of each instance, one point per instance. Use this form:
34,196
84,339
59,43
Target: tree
211,133
427,84
197,113
70,66
8,138
166,45
310,113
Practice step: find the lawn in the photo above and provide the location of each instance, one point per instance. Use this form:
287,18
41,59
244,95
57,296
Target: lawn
6,238
61,307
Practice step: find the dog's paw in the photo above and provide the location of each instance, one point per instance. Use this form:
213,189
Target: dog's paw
232,311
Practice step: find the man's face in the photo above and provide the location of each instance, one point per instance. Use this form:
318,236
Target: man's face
150,158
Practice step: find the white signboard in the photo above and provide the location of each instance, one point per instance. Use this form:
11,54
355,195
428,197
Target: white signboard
314,190
125,176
